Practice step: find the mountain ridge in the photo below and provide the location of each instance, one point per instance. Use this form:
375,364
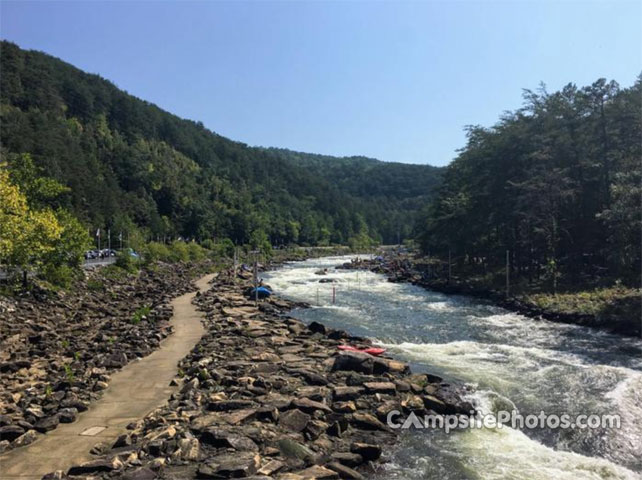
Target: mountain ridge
133,166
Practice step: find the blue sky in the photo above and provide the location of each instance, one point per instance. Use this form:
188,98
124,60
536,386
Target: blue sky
390,80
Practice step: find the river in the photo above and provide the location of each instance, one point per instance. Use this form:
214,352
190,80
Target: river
508,360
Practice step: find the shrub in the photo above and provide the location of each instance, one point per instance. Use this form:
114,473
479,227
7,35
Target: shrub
227,248
196,252
155,251
58,275
224,248
208,244
127,262
179,252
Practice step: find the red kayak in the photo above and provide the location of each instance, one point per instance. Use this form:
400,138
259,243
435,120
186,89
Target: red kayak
370,350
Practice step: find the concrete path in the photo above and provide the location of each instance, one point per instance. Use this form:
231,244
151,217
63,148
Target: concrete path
134,391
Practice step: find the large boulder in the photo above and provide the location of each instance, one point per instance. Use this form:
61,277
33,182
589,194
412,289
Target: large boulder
354,362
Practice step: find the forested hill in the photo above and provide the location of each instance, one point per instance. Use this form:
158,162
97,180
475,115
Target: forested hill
395,192
367,177
133,167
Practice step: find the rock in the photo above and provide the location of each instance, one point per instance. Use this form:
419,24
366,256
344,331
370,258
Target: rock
116,360
203,421
310,406
385,408
294,420
67,415
100,386
345,472
100,448
315,428
76,403
311,377
225,405
347,458
433,403
11,432
354,361
157,464
230,466
57,475
123,441
28,437
413,403
316,327
402,386
291,449
188,449
221,438
163,434
367,421
317,472
347,393
381,387
47,424
191,385
452,397
271,467
368,451
35,411
385,365
95,466
239,416
344,407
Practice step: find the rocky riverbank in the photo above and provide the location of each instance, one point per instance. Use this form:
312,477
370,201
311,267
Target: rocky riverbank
623,318
57,350
265,396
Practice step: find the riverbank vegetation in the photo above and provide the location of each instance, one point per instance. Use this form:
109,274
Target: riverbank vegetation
552,190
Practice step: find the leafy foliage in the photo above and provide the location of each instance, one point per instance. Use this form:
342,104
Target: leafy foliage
34,236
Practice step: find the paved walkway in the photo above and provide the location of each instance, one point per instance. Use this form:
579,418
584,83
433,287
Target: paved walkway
133,392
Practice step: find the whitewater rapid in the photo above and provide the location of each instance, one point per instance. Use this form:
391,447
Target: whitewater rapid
508,360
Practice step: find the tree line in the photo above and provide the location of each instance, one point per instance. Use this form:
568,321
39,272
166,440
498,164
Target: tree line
555,183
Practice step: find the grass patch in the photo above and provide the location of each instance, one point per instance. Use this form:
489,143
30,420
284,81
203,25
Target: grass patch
141,314
590,302
69,373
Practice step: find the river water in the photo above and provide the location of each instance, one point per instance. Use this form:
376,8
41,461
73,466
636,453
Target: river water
508,360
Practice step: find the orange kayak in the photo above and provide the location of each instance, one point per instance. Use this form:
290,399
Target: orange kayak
370,350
